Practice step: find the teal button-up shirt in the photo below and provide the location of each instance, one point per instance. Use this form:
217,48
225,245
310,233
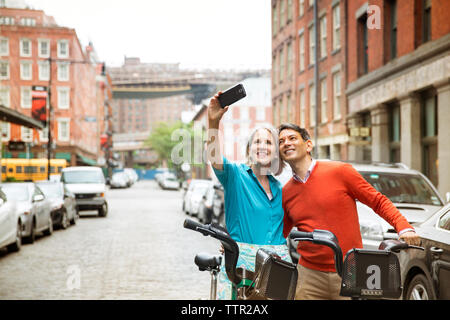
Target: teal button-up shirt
250,216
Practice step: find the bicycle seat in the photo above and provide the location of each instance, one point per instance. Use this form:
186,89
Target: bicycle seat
208,262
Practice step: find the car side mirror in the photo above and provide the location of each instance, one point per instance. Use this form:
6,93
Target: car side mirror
38,197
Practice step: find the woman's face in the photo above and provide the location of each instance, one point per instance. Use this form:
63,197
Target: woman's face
263,148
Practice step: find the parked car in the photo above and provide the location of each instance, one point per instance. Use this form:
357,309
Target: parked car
169,182
89,186
218,207
205,210
63,203
165,176
188,192
131,173
194,194
410,191
119,180
10,225
426,274
33,208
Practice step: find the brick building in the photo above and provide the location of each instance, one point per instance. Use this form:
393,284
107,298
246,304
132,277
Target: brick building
399,84
35,51
383,79
294,95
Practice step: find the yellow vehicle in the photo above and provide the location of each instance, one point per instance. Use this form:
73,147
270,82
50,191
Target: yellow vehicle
30,169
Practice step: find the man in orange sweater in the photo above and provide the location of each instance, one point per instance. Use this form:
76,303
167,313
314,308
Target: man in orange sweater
321,195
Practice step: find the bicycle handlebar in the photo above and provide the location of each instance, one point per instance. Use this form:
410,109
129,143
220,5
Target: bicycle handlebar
231,249
322,237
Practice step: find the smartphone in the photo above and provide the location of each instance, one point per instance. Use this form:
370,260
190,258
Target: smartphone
232,95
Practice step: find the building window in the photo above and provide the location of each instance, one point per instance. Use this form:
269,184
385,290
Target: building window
366,120
6,131
390,33
323,37
274,72
25,97
394,121
44,48
282,110
289,10
301,44
4,96
337,95
26,134
26,71
28,22
429,136
311,3
363,46
324,100
302,108
63,98
312,106
290,61
4,70
25,48
7,21
4,46
301,8
275,20
275,114
281,70
44,70
63,130
290,112
312,45
43,134
336,27
282,13
63,49
63,72
426,20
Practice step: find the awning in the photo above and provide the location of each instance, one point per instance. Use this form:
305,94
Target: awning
63,155
86,160
13,116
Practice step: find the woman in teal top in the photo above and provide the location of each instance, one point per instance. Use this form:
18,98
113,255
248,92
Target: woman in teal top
253,200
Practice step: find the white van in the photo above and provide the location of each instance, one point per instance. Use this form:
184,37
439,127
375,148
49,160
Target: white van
89,186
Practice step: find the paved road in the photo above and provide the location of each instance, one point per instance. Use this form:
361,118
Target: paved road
139,251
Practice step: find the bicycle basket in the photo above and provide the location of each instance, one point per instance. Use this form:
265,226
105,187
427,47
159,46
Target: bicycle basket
275,278
371,274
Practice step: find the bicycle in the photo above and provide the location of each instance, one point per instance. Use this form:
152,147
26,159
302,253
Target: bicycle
365,274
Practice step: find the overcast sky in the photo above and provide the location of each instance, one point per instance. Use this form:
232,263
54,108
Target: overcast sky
215,33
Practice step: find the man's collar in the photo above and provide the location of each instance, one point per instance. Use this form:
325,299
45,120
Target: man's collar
308,172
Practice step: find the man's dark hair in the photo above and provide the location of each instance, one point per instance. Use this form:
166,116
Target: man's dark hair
303,132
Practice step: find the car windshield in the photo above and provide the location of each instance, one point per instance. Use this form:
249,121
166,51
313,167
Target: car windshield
51,190
403,188
16,192
83,177
201,189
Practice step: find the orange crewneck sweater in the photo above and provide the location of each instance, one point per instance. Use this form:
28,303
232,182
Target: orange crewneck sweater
327,201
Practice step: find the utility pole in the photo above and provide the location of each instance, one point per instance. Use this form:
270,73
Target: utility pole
316,80
49,120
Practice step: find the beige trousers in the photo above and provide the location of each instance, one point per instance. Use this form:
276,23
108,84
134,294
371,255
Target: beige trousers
318,285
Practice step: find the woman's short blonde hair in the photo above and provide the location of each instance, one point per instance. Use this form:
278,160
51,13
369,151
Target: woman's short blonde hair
277,164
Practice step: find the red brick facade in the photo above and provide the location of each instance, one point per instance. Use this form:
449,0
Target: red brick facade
76,98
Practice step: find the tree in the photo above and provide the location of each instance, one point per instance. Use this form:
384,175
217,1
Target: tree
165,137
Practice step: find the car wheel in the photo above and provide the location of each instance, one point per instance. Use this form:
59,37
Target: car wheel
103,211
32,237
419,289
64,220
49,230
14,247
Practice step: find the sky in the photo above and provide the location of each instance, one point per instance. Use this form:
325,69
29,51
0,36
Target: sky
195,33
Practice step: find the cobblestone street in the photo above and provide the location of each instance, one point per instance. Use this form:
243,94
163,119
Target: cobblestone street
139,251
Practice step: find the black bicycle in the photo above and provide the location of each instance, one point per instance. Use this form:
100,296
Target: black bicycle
366,274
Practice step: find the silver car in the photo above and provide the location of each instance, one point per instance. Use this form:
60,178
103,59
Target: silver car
10,225
33,208
410,191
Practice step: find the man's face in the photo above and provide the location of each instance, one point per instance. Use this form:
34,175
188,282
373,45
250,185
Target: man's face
292,145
